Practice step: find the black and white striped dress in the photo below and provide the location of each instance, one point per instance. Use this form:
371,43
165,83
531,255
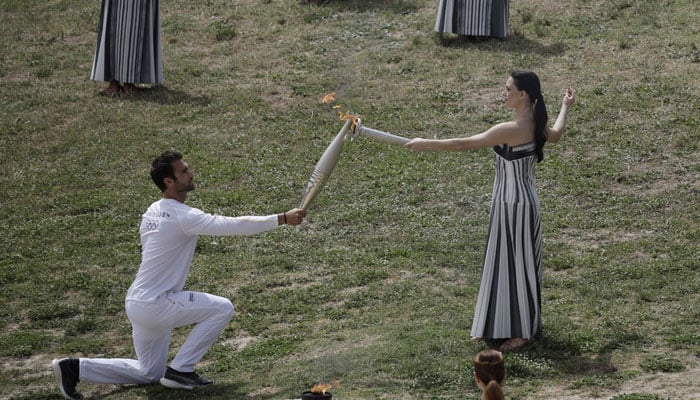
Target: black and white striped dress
473,17
509,299
128,42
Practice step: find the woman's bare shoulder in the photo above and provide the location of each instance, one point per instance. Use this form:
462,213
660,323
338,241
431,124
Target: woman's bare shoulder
514,133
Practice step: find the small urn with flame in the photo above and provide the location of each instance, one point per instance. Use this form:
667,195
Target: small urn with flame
318,392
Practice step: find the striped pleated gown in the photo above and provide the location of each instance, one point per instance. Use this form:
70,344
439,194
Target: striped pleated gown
473,17
509,300
128,46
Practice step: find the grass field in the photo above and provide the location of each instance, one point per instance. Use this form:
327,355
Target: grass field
377,288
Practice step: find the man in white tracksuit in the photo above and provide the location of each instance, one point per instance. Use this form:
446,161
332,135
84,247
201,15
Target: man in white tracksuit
156,303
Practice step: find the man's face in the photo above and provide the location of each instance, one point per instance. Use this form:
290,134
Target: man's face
184,177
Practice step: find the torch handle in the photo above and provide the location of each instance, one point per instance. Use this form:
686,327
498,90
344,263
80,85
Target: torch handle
383,136
324,167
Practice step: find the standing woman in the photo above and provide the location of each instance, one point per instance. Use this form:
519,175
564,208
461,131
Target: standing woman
472,18
509,302
128,50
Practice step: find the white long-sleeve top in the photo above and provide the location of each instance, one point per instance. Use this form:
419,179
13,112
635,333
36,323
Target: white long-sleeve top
169,231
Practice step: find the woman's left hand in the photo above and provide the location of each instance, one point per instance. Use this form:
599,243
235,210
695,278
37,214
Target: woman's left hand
569,97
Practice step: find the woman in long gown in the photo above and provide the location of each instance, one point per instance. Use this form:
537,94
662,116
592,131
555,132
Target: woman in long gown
128,49
473,18
509,302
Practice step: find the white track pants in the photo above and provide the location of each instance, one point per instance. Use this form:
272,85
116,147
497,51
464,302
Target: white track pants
152,324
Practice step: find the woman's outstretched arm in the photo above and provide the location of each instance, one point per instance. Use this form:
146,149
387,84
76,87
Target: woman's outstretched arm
499,134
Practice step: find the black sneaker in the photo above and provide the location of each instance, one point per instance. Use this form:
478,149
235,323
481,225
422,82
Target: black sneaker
66,371
183,380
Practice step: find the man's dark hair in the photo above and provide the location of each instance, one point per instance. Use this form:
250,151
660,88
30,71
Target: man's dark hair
162,167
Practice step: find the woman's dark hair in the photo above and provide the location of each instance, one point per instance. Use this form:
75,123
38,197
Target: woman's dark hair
489,368
530,83
162,167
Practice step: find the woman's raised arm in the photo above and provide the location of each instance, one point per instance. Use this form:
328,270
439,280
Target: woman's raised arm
557,130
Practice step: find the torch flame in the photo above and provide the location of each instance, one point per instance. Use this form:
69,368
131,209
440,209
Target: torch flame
330,97
344,116
347,116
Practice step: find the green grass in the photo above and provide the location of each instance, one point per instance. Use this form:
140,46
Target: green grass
377,288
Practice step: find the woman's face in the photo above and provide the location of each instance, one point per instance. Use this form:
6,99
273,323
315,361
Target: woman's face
512,95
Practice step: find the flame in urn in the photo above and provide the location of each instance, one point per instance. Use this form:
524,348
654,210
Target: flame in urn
322,388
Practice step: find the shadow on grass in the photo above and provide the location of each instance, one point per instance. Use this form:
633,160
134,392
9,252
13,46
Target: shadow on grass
157,392
516,42
163,95
565,357
582,360
217,391
397,6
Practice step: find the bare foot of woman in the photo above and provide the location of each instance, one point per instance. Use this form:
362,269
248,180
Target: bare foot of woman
113,90
130,88
514,344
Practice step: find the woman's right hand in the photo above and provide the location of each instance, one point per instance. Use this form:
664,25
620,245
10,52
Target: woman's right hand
417,144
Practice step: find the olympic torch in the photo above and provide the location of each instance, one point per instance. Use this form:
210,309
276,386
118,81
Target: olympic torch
324,167
378,135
